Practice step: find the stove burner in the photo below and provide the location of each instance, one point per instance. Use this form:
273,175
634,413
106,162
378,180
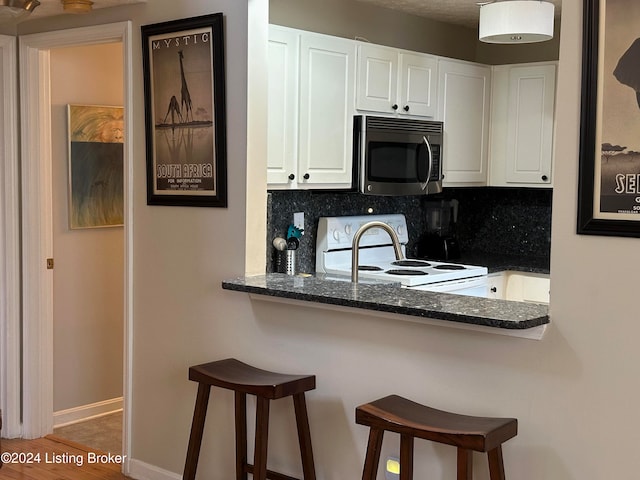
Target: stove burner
411,263
404,271
450,267
369,268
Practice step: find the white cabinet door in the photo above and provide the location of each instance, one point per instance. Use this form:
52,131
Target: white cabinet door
463,105
327,106
496,286
282,126
396,81
377,79
530,124
418,82
522,123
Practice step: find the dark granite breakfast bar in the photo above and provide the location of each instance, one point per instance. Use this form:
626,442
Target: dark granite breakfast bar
391,298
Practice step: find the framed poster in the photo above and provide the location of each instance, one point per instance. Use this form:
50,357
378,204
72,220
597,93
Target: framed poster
96,175
609,173
184,79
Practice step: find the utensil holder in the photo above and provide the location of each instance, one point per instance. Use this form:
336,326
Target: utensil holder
280,261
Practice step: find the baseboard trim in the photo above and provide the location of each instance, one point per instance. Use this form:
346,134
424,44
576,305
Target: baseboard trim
144,471
86,412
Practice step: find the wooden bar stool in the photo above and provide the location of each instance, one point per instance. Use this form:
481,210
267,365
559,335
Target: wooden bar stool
244,379
411,420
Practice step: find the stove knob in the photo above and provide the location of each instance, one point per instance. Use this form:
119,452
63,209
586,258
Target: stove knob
400,229
347,229
336,235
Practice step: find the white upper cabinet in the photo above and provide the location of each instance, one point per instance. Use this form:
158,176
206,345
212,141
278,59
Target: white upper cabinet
327,107
464,95
522,125
498,121
377,89
393,81
310,110
284,51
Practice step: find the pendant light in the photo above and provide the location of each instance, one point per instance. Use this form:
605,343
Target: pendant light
516,21
11,9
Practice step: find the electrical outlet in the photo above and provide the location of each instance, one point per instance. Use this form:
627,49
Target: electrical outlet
392,468
298,220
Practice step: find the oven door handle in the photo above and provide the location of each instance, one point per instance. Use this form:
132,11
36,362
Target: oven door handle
424,182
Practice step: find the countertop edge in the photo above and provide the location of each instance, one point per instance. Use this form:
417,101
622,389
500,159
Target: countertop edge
471,317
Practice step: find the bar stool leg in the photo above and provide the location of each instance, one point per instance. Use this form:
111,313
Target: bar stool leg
373,454
241,435
304,436
262,433
406,457
197,428
465,464
496,464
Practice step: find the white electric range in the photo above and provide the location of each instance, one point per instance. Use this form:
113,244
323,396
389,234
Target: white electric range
378,261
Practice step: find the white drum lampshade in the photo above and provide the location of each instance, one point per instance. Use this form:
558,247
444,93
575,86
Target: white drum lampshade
516,21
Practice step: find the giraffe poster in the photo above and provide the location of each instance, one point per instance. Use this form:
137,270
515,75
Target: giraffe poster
96,192
185,116
609,174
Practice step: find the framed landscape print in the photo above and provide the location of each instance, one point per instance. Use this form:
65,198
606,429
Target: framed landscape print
609,174
96,176
184,78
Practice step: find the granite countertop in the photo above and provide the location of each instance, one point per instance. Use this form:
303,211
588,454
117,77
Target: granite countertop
391,298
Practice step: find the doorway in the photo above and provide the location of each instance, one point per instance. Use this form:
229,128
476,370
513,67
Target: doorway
88,242
37,241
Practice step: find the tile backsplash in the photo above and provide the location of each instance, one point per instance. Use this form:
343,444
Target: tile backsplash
508,221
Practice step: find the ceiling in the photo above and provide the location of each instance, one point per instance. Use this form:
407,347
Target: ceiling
49,8
459,12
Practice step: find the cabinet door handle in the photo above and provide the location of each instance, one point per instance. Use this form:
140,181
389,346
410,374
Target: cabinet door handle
292,176
494,289
394,106
544,178
406,108
306,176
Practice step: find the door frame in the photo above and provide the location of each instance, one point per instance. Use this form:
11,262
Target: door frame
10,372
37,237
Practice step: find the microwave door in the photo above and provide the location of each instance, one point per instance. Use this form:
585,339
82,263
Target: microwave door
423,177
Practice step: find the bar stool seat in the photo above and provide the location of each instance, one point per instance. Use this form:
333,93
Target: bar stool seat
413,420
243,379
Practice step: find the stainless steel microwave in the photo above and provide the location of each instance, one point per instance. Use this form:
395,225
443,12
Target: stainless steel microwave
398,156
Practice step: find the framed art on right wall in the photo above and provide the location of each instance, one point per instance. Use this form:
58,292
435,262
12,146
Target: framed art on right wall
609,172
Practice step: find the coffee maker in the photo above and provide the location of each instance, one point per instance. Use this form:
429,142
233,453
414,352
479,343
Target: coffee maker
439,241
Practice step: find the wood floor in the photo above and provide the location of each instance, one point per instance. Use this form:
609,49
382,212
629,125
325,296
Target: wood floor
53,458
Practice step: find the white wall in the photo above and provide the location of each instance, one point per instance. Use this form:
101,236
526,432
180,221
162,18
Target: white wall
574,392
89,263
352,18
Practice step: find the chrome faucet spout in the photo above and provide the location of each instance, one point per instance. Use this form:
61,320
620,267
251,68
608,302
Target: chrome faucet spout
355,246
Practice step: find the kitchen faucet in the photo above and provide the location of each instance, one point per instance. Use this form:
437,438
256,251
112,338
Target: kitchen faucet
355,253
